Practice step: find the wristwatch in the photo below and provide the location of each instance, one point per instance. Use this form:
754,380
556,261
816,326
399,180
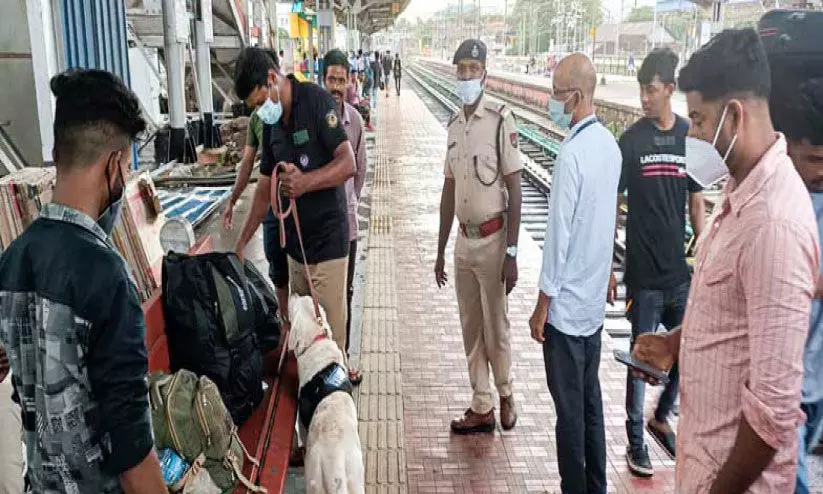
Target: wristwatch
511,251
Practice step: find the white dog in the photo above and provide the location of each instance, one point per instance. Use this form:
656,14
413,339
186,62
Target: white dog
334,459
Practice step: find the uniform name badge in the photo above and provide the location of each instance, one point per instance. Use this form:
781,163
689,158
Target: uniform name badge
300,137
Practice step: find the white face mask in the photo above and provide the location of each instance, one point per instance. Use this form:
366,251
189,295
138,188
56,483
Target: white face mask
469,91
703,162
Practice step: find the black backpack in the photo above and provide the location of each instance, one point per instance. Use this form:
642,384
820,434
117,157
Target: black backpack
210,325
267,320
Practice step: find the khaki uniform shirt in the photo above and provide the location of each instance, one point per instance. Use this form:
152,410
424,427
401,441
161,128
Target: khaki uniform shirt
471,160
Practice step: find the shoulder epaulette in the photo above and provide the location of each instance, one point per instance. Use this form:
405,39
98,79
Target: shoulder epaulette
495,107
499,108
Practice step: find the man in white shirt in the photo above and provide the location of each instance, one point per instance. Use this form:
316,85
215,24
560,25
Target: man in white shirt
577,257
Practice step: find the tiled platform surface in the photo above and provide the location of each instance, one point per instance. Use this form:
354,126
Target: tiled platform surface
415,377
413,356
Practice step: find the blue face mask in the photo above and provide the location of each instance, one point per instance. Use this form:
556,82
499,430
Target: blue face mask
270,112
469,91
111,215
557,113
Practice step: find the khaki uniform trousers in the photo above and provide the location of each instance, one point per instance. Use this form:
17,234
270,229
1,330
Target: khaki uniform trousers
329,279
12,463
481,296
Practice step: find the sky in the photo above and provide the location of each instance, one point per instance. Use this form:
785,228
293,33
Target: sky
426,8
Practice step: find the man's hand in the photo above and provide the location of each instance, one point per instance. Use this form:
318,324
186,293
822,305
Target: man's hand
657,350
228,213
293,182
282,295
240,250
611,294
4,364
440,272
537,322
509,274
818,291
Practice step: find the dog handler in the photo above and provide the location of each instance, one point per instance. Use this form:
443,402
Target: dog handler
482,188
302,132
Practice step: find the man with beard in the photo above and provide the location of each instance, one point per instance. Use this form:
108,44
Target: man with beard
336,68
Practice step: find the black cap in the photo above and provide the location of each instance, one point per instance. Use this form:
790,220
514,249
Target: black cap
472,49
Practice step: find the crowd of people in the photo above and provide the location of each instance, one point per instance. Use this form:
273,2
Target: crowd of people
742,338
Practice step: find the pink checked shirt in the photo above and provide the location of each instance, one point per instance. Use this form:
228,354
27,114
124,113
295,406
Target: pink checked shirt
741,349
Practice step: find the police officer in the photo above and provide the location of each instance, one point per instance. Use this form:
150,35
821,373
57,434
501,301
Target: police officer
302,130
482,188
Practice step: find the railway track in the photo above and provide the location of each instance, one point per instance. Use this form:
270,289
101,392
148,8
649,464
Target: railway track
538,146
525,113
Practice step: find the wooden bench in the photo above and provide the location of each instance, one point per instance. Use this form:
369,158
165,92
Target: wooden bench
269,432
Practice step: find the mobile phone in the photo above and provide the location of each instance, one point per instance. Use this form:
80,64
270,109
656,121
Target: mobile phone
625,358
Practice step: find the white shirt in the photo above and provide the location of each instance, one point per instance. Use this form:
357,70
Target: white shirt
579,243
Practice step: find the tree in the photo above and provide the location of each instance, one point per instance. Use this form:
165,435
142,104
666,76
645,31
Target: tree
567,22
641,14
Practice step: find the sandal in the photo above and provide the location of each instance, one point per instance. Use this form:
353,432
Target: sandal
355,377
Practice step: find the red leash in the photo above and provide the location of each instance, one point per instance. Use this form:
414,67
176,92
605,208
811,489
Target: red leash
277,206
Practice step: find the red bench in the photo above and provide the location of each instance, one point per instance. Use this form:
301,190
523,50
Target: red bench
269,432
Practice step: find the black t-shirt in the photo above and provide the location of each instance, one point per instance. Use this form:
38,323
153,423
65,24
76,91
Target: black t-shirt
654,172
308,140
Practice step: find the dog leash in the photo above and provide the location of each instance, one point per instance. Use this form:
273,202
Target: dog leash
281,216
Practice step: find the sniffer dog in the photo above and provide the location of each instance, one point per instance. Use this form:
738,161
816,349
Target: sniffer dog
334,459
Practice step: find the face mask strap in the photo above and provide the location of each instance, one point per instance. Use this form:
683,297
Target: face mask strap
574,92
720,124
731,145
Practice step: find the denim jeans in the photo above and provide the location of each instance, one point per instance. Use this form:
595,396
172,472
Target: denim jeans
649,309
809,434
572,365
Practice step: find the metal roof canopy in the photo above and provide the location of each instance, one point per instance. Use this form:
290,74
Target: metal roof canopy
372,15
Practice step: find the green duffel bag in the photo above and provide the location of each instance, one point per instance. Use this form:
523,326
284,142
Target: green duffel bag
188,415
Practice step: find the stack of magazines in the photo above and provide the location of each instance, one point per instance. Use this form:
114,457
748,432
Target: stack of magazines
127,240
24,192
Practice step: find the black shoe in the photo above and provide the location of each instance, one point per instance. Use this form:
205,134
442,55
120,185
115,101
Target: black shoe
639,463
665,438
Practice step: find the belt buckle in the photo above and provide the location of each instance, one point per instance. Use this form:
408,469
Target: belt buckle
473,231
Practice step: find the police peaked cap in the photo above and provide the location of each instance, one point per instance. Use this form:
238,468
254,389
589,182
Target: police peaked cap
472,49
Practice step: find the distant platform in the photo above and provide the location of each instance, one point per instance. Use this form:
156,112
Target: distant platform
618,89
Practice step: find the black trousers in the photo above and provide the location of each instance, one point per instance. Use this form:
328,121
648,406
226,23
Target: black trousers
397,83
572,364
350,289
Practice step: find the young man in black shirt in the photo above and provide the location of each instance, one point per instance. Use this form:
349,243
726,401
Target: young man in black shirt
70,317
303,131
657,277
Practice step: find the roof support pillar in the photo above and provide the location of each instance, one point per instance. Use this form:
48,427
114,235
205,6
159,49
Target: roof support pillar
175,37
203,36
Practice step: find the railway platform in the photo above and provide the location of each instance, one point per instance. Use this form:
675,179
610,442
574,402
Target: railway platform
415,378
406,337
